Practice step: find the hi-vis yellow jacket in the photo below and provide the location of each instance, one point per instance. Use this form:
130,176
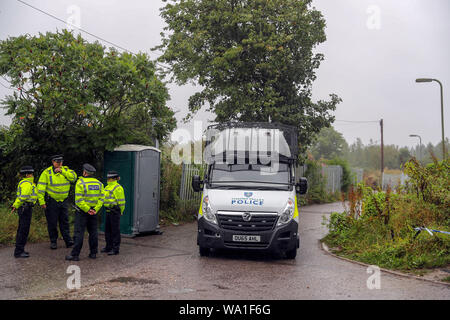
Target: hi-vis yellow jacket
26,192
89,194
114,196
57,185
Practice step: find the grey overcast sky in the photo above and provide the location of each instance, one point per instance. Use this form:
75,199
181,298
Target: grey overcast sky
374,52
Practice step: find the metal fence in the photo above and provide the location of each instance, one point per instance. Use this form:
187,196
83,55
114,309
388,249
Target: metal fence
358,174
188,170
393,180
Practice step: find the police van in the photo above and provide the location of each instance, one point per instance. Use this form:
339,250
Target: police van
249,191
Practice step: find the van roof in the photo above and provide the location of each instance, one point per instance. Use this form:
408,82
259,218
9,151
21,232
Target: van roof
251,137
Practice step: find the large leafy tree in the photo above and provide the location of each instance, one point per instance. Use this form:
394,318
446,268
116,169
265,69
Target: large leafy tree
329,144
79,98
253,59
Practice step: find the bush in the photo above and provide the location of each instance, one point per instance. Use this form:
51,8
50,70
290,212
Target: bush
378,227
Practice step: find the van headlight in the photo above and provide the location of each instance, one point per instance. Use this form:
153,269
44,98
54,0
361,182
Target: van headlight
207,211
287,213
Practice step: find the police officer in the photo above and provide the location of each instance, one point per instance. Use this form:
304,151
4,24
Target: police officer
53,192
26,198
114,202
88,200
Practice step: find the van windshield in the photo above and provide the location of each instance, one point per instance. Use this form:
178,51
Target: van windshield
254,176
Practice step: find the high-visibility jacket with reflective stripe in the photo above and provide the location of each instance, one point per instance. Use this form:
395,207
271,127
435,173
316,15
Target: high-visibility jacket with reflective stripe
89,194
114,196
57,185
26,192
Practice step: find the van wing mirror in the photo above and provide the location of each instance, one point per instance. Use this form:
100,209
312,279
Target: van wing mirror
302,186
197,184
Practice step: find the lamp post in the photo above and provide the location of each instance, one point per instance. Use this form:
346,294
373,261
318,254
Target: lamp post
420,145
444,155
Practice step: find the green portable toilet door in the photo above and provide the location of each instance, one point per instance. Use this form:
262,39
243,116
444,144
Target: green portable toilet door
123,163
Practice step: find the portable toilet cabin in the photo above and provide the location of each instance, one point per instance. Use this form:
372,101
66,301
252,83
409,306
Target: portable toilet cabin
139,170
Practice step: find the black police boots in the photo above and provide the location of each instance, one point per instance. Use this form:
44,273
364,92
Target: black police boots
22,255
72,258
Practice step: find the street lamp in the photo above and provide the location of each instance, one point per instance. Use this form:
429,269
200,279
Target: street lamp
444,155
420,145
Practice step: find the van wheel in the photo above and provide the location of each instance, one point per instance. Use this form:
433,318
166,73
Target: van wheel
291,254
204,252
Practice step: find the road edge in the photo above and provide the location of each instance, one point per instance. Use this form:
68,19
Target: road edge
325,248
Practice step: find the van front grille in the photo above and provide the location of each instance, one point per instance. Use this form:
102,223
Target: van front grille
258,222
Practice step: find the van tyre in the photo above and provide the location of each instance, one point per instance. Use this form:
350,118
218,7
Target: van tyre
204,252
291,254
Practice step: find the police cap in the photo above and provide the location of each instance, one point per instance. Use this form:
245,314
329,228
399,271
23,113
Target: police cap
89,168
57,157
26,169
112,174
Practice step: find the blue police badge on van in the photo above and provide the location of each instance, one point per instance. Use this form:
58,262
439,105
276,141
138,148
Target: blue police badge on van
248,194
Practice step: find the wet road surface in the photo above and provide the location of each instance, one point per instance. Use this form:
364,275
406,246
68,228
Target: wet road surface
168,266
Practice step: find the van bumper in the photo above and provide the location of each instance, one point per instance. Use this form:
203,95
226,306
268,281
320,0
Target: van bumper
279,239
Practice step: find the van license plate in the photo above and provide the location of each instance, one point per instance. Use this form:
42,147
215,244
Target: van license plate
246,238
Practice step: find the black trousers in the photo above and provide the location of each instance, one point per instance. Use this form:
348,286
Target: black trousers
23,230
85,221
58,212
112,229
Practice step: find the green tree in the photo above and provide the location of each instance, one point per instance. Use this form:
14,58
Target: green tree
78,98
253,59
329,144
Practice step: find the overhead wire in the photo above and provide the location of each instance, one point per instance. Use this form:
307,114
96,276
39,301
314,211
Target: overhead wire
85,31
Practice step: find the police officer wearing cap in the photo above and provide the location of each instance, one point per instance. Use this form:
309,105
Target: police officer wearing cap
26,198
88,201
114,202
53,191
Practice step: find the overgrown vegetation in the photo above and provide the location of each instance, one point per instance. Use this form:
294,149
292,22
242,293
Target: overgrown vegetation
317,182
9,222
173,209
378,227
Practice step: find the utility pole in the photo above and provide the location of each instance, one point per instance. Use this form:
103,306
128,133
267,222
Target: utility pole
382,152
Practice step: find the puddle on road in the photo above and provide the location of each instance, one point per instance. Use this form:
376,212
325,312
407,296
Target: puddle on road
134,280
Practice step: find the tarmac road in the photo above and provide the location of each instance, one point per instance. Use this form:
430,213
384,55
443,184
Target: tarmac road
168,266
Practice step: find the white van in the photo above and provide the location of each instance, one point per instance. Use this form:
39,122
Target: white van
249,196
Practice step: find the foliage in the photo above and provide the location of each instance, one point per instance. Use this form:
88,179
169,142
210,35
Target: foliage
9,224
369,156
173,209
347,176
329,144
378,227
430,182
76,98
317,183
253,59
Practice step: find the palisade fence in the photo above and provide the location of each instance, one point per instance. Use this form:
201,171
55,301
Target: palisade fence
358,174
393,180
188,170
332,173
